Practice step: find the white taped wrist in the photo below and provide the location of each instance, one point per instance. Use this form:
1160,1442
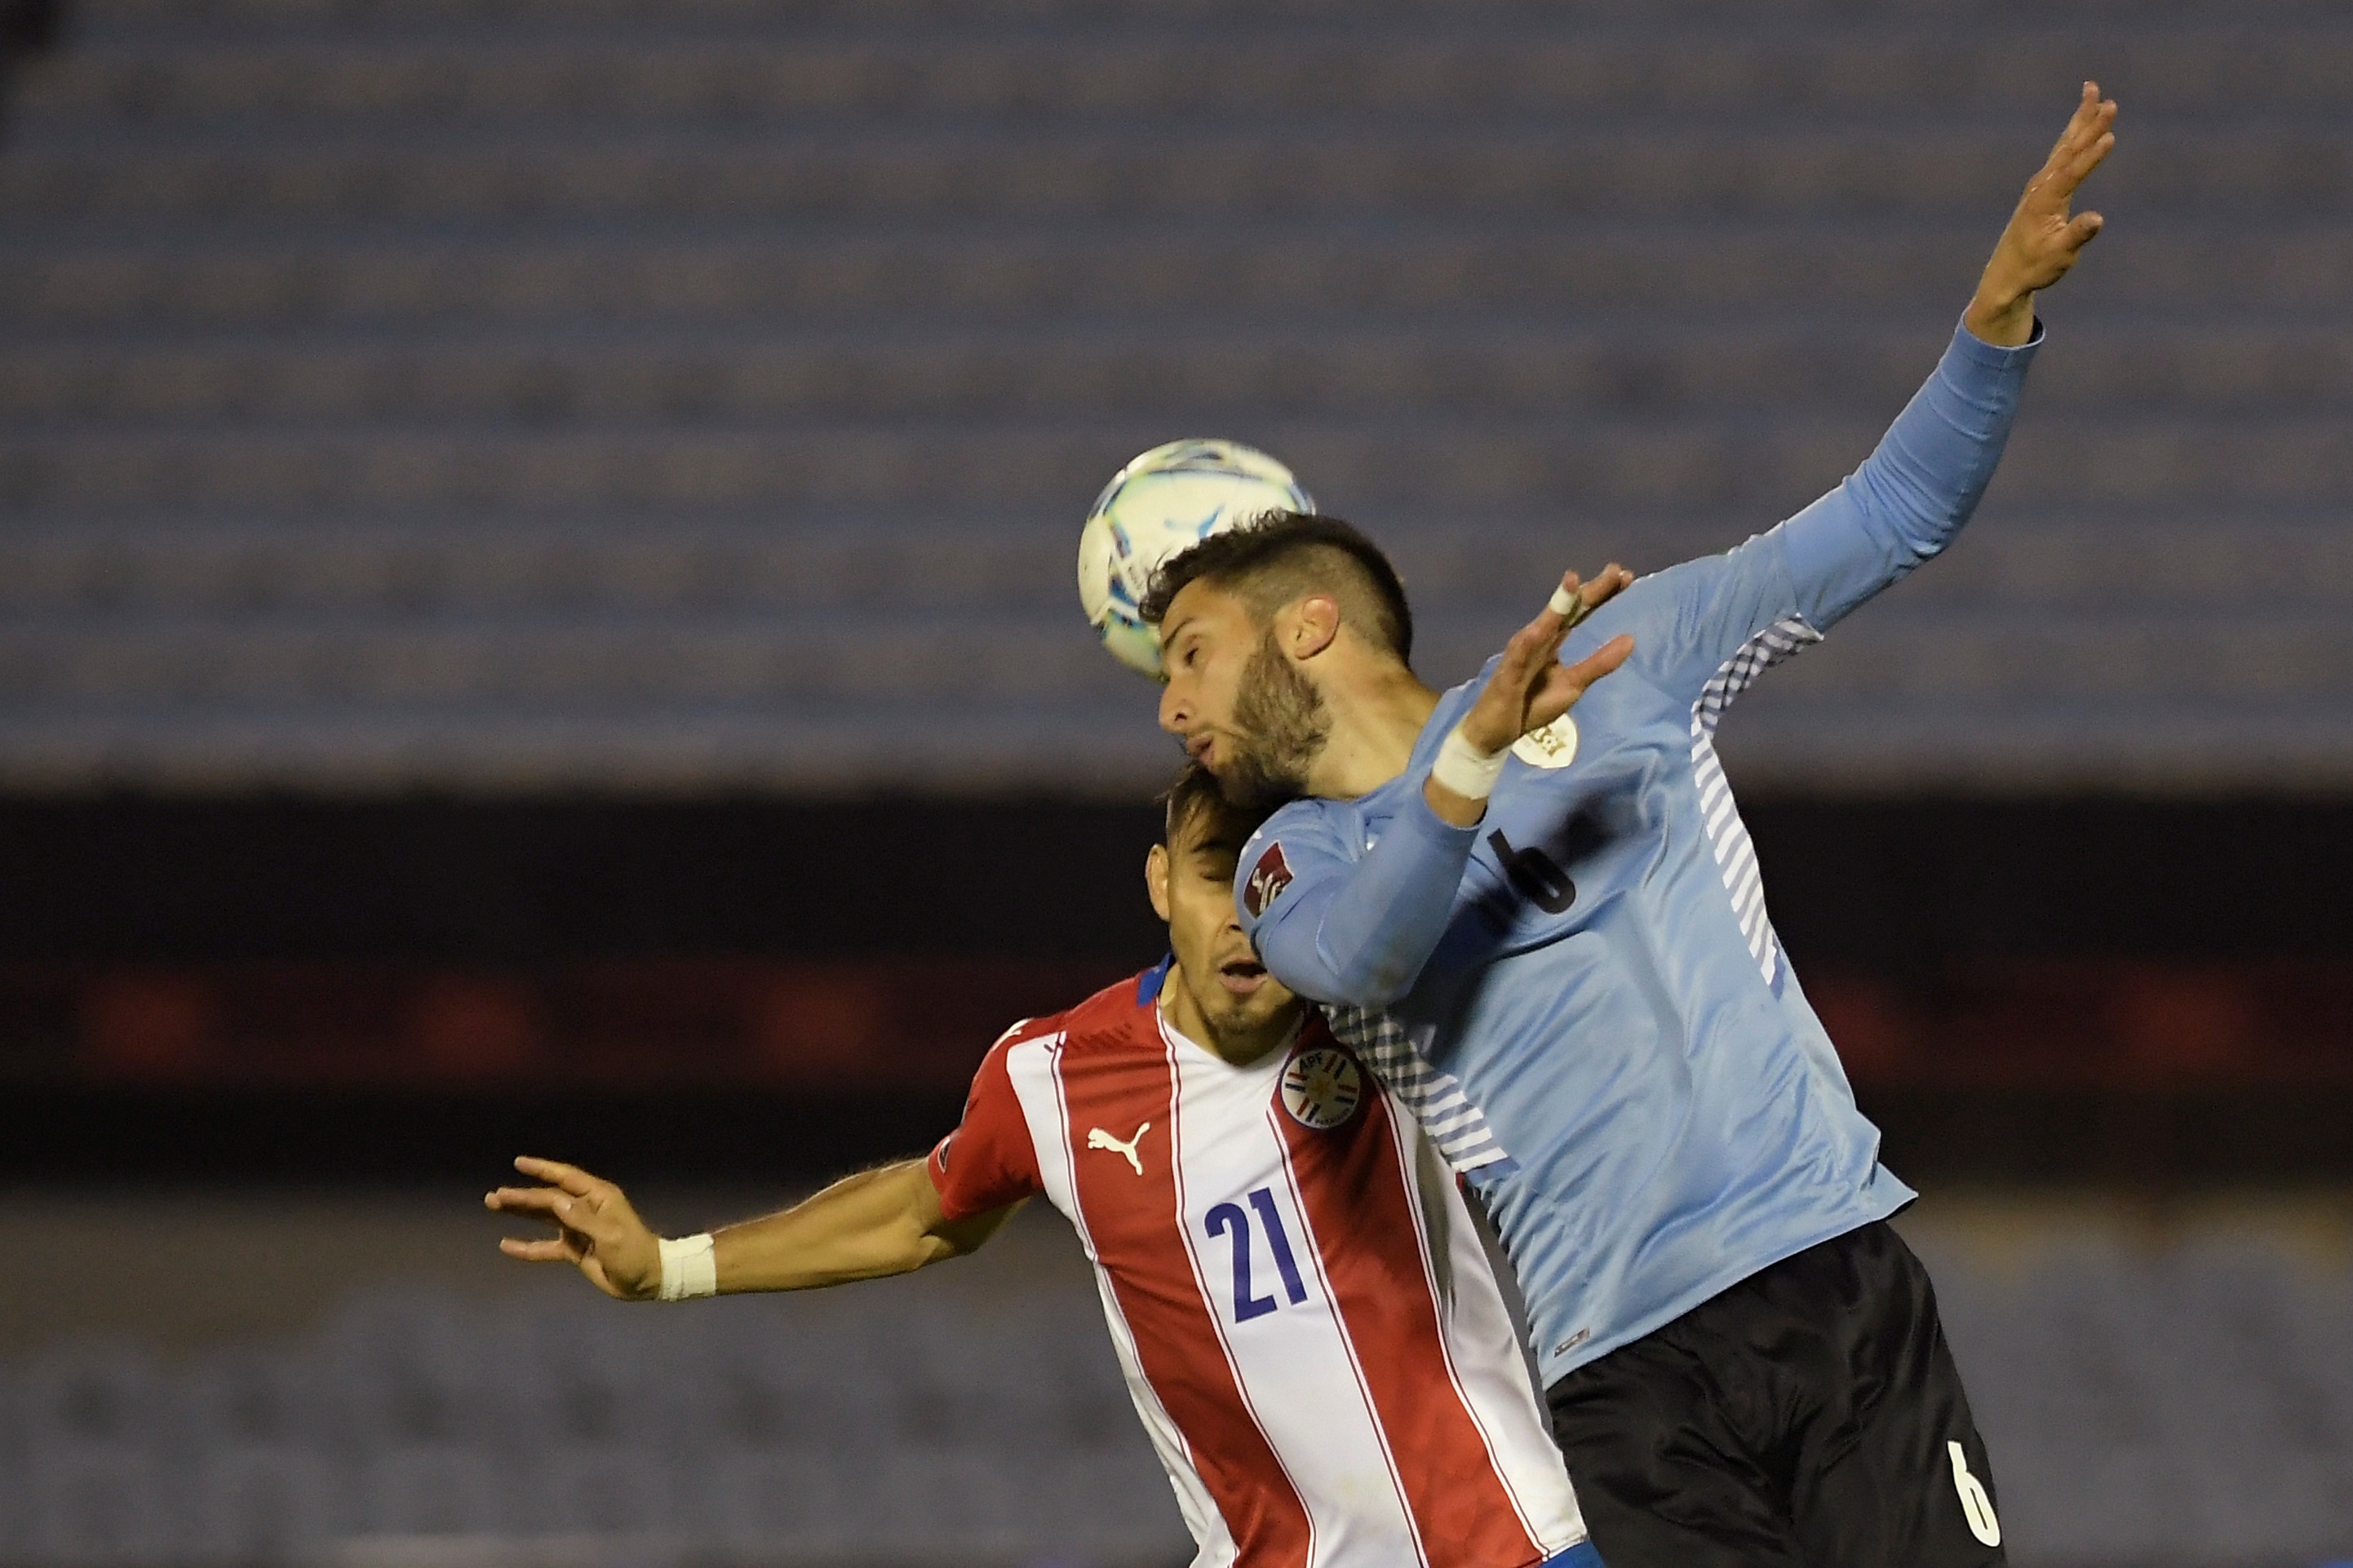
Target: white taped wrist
689,1267
1465,769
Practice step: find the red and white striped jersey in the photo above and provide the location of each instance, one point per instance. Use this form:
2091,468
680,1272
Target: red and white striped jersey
1307,1321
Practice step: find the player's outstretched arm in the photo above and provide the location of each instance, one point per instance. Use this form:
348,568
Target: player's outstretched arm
1917,491
877,1223
2043,241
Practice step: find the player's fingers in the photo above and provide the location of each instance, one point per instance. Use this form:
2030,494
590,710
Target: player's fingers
539,1201
1564,685
2088,157
1567,606
2067,132
1566,597
553,1250
2077,134
1601,662
2080,232
571,1178
2073,161
1608,584
584,1216
1534,645
2087,109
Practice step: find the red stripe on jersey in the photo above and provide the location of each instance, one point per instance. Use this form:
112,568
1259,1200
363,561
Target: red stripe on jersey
1352,1188
1116,1084
989,1161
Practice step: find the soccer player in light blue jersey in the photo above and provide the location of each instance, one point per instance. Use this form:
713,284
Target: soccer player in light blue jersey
1547,930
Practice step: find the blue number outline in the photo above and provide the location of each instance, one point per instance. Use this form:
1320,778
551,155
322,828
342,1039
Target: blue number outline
1228,1219
1263,1200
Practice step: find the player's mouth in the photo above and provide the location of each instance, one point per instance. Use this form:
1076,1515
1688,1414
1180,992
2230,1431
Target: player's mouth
1199,746
1242,976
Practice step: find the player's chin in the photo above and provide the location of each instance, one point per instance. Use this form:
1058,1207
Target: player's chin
1249,996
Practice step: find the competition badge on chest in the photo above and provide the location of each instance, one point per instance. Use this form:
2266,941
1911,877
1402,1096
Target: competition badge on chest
1553,746
1321,1087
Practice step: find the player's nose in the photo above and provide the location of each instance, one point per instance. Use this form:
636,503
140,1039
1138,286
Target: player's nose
1175,712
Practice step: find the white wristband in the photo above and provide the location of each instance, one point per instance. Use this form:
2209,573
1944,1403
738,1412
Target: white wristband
1465,769
689,1268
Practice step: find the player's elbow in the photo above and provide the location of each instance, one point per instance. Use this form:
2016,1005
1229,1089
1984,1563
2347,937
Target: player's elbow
1372,980
1337,968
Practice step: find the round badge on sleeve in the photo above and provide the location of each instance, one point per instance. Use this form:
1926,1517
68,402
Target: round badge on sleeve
1553,746
1321,1087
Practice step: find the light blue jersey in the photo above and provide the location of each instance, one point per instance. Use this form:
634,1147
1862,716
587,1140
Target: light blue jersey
1583,995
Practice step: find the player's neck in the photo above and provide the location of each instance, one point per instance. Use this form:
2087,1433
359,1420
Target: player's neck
1239,1048
1377,713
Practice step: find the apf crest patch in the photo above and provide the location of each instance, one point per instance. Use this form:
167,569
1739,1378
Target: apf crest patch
1321,1087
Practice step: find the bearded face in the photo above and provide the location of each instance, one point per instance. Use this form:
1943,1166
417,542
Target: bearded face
1279,725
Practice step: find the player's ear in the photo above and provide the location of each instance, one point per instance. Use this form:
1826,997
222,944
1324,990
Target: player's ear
1305,628
1156,880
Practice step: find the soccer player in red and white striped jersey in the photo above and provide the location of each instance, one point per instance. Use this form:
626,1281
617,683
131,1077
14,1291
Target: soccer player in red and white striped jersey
1307,1321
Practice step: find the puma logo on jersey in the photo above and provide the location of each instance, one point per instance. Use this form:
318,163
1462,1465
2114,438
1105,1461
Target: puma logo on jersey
1099,1139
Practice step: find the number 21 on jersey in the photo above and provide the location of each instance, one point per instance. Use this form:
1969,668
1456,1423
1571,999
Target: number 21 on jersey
1230,1221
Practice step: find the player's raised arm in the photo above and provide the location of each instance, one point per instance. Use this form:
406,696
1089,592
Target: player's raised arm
2043,241
1912,496
877,1223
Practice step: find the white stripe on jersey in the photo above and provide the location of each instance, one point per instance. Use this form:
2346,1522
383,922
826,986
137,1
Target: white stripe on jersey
1296,1364
1314,1251
1735,857
1474,1320
1181,1157
1436,1100
1034,1067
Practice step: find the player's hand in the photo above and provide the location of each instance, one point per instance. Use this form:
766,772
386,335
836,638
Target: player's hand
2043,241
1530,687
596,1231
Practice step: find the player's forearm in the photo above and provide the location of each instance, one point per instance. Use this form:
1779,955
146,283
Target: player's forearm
866,1227
1917,491
1363,939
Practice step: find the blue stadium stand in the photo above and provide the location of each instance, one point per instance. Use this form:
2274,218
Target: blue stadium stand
705,394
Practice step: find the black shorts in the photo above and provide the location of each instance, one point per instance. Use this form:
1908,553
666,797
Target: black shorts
1808,1418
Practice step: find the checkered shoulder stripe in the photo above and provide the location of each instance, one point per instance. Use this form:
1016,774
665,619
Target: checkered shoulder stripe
1453,1122
1735,857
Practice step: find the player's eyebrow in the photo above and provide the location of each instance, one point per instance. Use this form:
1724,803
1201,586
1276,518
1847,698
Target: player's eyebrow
1214,843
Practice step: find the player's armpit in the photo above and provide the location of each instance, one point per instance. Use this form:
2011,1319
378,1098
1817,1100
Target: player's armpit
970,1233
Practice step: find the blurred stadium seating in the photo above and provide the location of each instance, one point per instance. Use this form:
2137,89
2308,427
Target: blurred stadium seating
866,1427
2184,1403
592,431
696,394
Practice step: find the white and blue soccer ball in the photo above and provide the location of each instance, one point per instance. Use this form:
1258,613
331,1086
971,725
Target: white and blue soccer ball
1159,506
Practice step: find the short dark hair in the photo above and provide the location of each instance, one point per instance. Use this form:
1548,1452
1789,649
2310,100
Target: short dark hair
1280,556
1196,790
